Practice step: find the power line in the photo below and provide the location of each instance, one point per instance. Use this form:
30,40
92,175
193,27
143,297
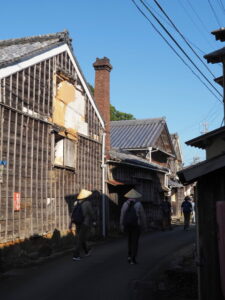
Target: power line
171,26
196,25
209,117
221,4
197,15
181,49
214,13
163,11
175,51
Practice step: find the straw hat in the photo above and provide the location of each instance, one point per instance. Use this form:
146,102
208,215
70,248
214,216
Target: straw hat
132,194
83,194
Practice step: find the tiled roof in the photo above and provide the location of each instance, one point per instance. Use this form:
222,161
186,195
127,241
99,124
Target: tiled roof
14,50
125,157
134,134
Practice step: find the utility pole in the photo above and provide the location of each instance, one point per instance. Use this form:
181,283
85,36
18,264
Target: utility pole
205,127
196,159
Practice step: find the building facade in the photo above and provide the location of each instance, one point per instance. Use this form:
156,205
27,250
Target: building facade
51,136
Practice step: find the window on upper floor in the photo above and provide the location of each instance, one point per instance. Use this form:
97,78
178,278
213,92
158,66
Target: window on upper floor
65,152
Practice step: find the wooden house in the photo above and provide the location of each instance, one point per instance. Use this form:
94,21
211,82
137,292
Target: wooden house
51,136
210,199
177,189
126,171
137,155
139,158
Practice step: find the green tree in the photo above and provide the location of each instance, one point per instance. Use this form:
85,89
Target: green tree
116,115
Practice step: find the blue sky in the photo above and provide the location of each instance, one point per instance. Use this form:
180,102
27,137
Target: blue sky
148,80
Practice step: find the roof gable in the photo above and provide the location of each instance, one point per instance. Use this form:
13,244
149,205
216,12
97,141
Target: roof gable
140,134
135,133
40,48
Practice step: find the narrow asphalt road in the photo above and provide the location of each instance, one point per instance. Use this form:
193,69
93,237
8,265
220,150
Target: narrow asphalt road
105,275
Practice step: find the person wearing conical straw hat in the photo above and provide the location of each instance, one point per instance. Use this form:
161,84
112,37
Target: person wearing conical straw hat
132,221
82,216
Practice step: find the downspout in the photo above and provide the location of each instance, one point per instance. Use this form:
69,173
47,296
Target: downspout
103,166
150,154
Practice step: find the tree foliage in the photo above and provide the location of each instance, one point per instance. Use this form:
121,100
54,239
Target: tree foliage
116,115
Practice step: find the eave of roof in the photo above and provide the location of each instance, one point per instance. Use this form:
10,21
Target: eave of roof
193,173
204,140
147,148
219,34
219,80
123,157
216,56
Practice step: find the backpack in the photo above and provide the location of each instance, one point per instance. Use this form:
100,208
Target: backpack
130,218
187,207
77,216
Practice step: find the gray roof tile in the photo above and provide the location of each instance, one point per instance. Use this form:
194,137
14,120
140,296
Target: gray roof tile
13,50
134,134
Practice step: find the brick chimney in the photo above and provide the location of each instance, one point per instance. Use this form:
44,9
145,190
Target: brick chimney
102,93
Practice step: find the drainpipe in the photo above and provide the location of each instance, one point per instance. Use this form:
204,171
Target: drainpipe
150,154
103,186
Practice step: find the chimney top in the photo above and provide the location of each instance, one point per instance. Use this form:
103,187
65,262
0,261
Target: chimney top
102,64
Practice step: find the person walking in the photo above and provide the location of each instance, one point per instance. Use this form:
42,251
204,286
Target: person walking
82,216
132,221
186,209
166,214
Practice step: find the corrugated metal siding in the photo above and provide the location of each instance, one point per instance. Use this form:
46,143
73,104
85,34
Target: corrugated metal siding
135,133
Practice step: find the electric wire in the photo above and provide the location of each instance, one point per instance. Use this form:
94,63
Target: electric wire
209,117
214,13
222,6
177,44
171,26
197,16
183,37
195,24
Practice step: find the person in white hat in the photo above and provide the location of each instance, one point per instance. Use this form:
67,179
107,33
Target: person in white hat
82,216
132,220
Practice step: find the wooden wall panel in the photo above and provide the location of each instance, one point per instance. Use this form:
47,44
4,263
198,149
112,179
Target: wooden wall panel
27,144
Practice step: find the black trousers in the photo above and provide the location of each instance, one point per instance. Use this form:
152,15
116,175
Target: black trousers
133,234
82,235
187,216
